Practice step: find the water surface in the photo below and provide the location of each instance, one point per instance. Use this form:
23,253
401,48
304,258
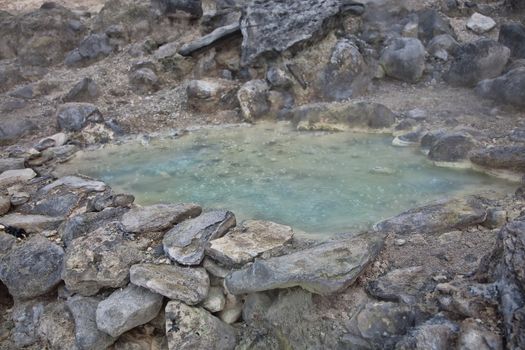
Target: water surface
315,182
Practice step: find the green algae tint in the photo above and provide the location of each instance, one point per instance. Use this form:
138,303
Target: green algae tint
315,182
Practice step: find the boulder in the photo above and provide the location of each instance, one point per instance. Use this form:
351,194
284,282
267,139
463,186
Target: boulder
190,328
91,48
158,217
438,217
431,23
87,335
143,80
249,241
215,301
508,88
501,157
404,59
476,61
75,116
99,260
25,316
56,328
512,35
127,308
480,24
11,164
435,333
31,223
451,147
211,95
185,243
12,129
32,268
253,99
442,46
13,177
323,269
190,285
86,90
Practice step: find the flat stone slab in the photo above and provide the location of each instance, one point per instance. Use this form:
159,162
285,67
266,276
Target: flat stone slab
76,182
158,217
189,328
438,217
323,269
248,242
13,177
210,39
187,284
31,223
185,242
127,308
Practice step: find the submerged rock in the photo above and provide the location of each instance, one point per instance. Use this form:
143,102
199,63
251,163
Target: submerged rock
252,239
404,59
189,328
127,308
438,217
185,243
158,217
507,88
323,269
190,285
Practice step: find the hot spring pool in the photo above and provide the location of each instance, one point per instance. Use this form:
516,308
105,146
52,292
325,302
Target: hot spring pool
315,182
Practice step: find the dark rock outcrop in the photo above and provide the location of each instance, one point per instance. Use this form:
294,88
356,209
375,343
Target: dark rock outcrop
508,88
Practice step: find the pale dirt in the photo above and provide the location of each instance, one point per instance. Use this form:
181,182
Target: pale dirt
23,6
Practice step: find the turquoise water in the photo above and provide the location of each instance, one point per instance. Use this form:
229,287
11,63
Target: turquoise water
315,182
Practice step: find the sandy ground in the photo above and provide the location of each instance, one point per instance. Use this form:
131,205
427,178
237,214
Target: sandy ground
22,6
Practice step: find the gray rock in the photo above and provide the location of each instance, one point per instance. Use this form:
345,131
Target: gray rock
99,260
508,88
215,301
24,92
232,310
55,140
5,205
86,90
31,223
407,285
278,78
144,80
443,43
214,268
127,308
11,164
189,328
451,147
13,177
255,307
437,217
323,269
56,328
75,116
298,22
32,268
215,36
249,241
25,316
212,95
480,24
87,335
91,48
75,182
190,285
475,336
185,242
192,7
512,35
158,217
501,157
253,99
436,333
404,59
6,243
82,224
12,129
431,23
476,61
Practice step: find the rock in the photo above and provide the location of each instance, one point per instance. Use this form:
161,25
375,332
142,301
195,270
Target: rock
75,116
5,204
435,333
143,80
501,157
91,48
496,217
158,217
464,298
474,336
298,23
441,45
13,177
24,92
216,36
190,285
480,24
82,224
512,35
323,269
404,59
476,61
88,336
255,307
56,328
253,99
75,182
25,316
100,260
343,116
453,147
86,90
7,242
55,140
210,95
13,129
31,223
249,241
11,164
127,308
406,285
278,78
215,301
185,243
194,328
438,217
431,24
33,268
508,88
214,269
232,311
192,7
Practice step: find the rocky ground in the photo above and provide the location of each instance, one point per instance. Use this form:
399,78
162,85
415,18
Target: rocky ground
83,267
